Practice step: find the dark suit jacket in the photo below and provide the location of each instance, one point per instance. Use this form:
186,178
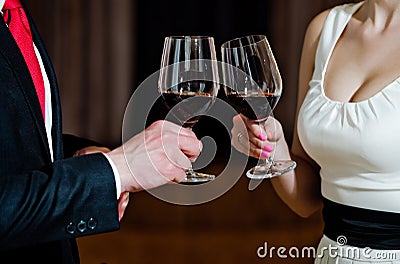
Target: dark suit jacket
44,205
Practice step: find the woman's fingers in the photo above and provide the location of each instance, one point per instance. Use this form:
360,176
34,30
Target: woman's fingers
250,138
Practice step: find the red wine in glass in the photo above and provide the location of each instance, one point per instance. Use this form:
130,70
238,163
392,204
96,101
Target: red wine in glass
187,105
254,106
254,89
188,84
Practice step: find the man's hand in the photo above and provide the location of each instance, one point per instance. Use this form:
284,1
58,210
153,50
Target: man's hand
91,150
122,204
158,155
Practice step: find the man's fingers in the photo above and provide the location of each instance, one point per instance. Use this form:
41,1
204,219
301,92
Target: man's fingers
180,144
190,146
122,204
91,150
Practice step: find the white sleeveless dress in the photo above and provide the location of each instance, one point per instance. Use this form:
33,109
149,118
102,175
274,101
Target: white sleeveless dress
356,144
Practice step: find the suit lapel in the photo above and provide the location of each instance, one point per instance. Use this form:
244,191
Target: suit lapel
13,55
55,99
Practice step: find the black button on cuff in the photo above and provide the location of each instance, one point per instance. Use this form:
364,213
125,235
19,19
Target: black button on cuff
92,223
71,228
81,226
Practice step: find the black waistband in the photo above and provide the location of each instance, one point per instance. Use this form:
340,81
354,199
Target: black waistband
362,227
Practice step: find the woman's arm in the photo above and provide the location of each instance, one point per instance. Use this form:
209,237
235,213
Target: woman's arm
299,189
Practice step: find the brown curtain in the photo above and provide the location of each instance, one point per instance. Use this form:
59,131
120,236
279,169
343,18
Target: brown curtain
91,46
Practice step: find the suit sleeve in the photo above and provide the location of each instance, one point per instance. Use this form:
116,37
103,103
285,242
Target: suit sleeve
67,199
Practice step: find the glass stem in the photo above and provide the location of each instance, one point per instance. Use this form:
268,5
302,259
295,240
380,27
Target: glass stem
268,162
189,171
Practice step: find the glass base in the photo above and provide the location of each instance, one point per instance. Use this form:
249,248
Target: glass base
197,178
278,168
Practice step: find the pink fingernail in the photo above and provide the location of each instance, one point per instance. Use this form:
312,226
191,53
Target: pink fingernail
264,154
262,137
268,147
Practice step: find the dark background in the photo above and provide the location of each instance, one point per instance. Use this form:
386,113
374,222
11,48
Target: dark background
102,50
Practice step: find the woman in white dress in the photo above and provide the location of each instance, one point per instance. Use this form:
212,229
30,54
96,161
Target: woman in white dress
348,133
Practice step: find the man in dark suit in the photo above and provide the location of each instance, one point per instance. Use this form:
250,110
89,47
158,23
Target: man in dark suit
48,199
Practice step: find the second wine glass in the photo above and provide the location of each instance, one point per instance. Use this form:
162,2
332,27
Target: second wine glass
189,83
254,90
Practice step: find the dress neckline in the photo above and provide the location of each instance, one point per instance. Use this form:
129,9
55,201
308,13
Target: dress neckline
351,9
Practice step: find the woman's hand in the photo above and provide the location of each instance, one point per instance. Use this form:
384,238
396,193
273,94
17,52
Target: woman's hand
254,139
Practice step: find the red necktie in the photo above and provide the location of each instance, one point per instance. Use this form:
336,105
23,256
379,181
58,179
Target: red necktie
18,25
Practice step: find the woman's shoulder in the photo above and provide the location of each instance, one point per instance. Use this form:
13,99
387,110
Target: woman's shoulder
316,24
315,27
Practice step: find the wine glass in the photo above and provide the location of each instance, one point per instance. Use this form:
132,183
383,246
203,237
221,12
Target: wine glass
189,83
254,90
